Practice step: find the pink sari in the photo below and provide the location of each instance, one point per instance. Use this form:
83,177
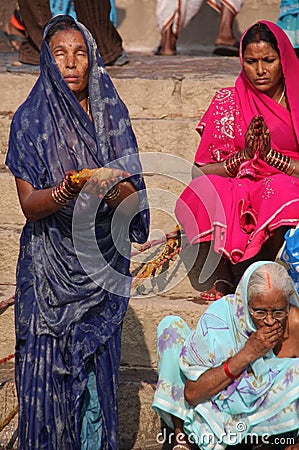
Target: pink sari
241,213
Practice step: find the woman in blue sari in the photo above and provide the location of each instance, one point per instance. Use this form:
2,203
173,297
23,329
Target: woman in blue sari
233,381
73,279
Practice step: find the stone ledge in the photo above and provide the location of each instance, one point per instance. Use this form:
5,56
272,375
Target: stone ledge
142,319
149,86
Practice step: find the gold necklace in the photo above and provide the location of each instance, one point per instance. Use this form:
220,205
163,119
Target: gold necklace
283,94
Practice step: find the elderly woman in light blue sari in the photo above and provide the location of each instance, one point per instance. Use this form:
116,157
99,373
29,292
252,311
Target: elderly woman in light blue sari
234,380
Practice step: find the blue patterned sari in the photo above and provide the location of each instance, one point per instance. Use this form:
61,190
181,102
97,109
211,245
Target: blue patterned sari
262,402
73,279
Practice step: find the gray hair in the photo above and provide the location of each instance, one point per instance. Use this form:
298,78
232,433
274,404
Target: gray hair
269,276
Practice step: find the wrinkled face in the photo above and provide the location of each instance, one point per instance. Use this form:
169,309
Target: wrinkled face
262,67
270,303
70,53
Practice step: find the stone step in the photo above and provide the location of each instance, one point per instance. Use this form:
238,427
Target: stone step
176,136
150,86
165,98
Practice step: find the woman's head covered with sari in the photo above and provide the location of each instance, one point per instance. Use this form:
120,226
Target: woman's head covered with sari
55,114
254,102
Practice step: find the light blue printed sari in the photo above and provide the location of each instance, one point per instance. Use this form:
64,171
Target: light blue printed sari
263,401
288,20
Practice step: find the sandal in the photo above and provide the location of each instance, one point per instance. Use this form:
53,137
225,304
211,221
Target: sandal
9,39
217,291
159,52
227,50
18,67
120,60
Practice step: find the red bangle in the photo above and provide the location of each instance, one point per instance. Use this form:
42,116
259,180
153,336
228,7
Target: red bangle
228,372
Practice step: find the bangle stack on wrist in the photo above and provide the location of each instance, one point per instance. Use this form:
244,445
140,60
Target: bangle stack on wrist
113,193
232,164
279,161
63,192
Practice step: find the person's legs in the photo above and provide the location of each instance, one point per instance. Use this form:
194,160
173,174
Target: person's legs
95,15
225,33
224,283
230,275
275,242
14,31
167,45
34,14
180,438
268,252
91,417
225,43
171,334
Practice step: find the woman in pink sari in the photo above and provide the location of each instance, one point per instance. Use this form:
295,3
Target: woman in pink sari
245,189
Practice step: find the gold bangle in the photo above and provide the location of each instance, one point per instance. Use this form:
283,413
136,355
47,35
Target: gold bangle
66,186
61,195
227,166
226,169
290,172
113,193
56,198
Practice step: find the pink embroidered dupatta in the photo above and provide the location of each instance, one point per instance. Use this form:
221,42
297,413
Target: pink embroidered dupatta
241,213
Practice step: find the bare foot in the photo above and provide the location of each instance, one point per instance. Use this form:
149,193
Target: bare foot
218,290
226,41
167,45
181,442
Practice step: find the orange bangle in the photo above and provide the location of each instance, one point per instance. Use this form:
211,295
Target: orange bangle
228,372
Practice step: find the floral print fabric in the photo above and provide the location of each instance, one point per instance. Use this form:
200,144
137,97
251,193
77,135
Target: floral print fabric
264,400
